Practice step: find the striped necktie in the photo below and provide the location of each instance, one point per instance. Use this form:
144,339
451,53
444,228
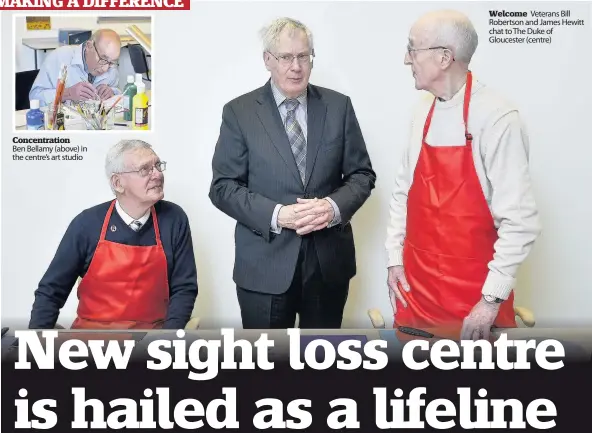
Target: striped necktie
296,137
136,225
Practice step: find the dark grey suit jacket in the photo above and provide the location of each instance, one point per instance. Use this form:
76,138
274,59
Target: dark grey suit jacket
254,169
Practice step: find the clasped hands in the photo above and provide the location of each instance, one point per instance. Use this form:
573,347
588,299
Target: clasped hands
476,325
306,215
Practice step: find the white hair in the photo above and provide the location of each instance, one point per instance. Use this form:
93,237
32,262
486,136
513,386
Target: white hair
271,34
115,159
453,30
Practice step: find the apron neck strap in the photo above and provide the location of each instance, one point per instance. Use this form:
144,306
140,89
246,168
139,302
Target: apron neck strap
466,101
108,218
106,221
426,125
156,228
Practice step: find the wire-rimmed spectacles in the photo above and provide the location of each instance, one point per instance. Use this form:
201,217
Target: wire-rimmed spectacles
147,171
102,60
286,59
410,49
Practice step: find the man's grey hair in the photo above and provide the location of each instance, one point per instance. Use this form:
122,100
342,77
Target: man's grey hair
454,30
270,35
115,159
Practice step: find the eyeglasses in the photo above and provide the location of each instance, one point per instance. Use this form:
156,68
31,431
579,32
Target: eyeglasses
410,50
147,171
286,59
102,60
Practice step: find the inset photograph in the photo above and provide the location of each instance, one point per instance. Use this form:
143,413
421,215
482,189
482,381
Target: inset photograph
80,72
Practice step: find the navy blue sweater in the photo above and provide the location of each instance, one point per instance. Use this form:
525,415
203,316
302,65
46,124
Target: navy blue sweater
78,245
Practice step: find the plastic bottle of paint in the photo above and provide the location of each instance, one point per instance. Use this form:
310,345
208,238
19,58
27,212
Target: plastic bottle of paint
129,91
140,103
35,117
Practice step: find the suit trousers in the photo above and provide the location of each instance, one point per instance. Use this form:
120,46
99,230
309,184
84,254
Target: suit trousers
318,304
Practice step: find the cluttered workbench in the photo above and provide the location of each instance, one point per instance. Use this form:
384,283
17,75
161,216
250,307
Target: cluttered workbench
74,121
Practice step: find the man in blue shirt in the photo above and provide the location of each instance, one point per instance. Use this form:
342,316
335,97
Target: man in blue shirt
92,70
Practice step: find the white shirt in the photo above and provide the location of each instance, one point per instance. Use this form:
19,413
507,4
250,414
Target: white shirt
501,152
128,219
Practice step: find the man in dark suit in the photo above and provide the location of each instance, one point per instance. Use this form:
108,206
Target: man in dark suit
291,167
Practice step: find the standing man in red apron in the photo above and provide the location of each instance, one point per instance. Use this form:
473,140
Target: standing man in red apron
134,254
462,214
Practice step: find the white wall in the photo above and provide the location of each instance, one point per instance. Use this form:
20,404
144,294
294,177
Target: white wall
25,56
212,54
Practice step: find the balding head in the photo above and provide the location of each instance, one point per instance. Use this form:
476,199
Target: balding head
441,45
102,51
108,43
449,29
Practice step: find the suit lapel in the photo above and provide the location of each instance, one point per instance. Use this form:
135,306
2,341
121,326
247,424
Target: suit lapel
272,122
317,111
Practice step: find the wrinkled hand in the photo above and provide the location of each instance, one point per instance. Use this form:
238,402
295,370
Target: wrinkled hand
313,214
477,325
396,274
82,91
287,217
104,91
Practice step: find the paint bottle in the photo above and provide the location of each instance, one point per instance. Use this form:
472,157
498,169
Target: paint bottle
129,91
35,117
140,103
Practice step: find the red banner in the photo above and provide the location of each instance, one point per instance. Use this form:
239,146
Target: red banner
95,4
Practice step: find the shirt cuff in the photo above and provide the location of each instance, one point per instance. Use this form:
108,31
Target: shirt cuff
498,286
395,257
336,214
274,225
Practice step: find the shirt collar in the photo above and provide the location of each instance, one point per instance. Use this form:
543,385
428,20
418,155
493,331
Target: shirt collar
79,57
458,97
280,97
128,219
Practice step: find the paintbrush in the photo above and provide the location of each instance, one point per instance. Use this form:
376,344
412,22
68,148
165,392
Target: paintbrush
97,97
113,106
59,93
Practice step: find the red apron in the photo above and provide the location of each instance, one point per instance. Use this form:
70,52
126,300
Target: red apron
125,287
450,238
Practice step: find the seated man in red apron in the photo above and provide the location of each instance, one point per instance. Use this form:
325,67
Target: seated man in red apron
462,213
134,254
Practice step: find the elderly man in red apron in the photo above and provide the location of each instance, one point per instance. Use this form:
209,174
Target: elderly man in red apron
462,214
134,254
